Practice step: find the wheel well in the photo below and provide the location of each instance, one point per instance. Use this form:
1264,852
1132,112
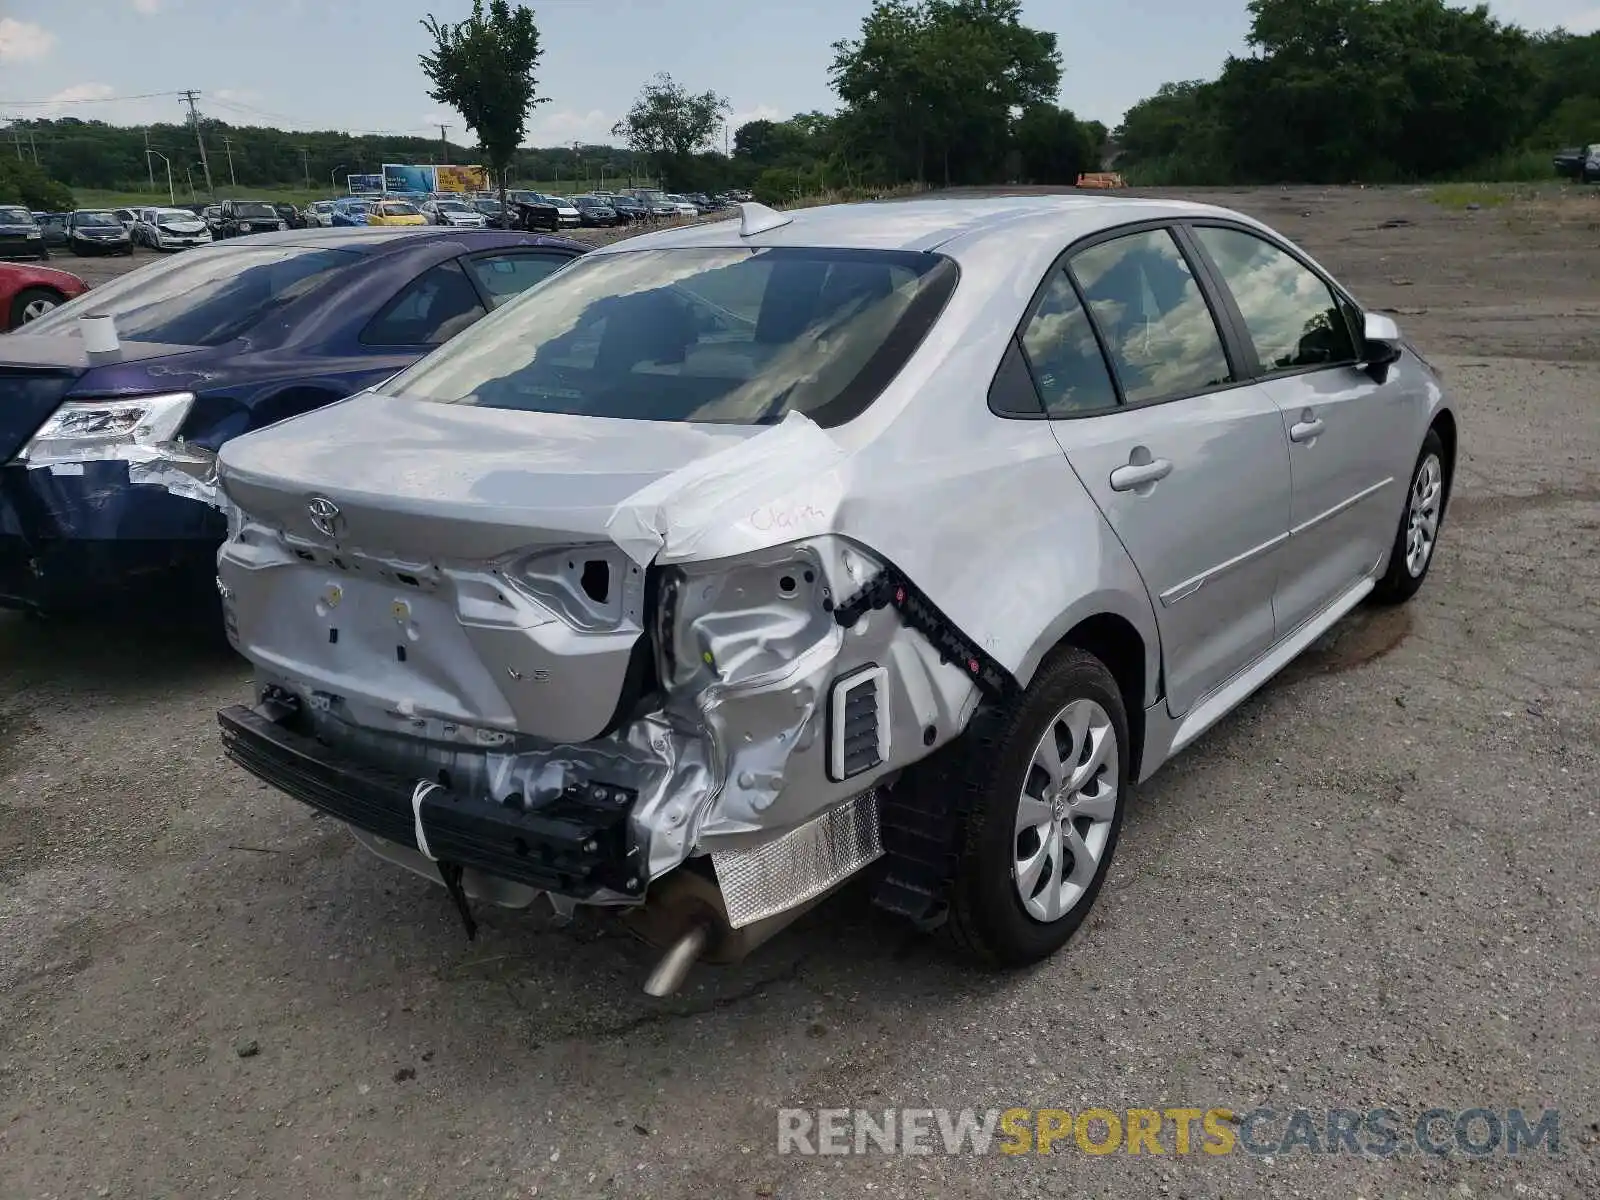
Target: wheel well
1445,426
1117,643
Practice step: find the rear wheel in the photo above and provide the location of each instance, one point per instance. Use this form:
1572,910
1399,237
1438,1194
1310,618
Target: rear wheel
1050,778
1418,534
32,303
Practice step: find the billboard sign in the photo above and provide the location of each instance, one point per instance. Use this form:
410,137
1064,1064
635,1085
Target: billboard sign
365,185
461,179
404,177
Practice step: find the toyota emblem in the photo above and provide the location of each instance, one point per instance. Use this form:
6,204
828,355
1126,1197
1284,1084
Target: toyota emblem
325,516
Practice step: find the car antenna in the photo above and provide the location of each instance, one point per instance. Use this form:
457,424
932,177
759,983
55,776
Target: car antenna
758,218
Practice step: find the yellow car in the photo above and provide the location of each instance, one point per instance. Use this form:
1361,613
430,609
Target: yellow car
395,212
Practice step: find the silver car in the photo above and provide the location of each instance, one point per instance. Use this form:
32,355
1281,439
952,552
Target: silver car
733,559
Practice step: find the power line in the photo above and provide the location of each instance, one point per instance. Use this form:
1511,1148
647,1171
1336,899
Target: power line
83,100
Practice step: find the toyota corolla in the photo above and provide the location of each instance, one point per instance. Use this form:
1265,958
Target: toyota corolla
734,559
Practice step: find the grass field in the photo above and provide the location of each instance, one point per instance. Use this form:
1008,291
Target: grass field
90,198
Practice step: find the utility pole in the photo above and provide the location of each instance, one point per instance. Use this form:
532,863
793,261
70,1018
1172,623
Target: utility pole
305,166
32,146
150,162
205,163
16,138
227,144
444,145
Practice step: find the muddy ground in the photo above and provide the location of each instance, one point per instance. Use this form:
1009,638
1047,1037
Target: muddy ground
1372,886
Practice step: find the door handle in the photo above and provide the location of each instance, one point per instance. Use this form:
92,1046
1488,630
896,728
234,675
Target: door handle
1137,475
1305,430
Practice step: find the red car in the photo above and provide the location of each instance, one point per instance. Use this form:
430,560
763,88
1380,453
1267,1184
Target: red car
28,292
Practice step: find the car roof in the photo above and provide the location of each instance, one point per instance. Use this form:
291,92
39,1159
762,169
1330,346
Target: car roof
926,223
375,240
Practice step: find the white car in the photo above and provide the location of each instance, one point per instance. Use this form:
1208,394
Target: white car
566,211
682,207
320,213
453,212
169,229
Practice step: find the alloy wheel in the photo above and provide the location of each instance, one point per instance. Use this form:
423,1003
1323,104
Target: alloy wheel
1066,809
35,309
1422,514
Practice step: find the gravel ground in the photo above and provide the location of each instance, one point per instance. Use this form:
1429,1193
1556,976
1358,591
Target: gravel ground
1371,886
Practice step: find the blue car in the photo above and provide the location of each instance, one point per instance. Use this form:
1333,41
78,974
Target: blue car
107,459
350,212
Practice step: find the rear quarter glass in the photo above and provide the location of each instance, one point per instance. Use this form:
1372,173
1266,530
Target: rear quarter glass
721,335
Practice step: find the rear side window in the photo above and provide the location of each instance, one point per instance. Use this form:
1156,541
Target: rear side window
1293,319
506,275
203,297
1157,326
430,310
733,335
1062,353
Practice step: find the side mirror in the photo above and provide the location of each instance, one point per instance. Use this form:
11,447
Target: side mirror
1380,345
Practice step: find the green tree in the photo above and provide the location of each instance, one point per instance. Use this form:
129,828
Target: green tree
1054,147
668,124
23,183
930,86
483,67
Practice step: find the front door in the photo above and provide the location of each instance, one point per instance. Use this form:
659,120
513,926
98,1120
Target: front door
1350,439
1188,465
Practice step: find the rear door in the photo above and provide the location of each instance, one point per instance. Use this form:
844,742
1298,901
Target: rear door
1186,460
1351,440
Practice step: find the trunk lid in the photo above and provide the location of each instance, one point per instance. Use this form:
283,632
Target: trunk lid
449,481
395,617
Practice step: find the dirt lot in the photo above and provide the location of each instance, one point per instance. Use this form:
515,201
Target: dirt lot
1373,886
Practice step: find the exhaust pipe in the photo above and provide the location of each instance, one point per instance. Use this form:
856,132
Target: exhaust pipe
670,972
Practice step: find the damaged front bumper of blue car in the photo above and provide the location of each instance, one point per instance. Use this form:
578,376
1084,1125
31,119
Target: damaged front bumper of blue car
102,504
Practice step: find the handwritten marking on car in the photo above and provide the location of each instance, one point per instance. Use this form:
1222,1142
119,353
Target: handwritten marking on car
779,516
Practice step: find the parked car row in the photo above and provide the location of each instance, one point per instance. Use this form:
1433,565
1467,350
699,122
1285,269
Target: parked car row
623,592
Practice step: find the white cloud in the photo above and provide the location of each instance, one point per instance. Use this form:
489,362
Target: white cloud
22,41
563,126
761,112
1576,16
93,102
147,8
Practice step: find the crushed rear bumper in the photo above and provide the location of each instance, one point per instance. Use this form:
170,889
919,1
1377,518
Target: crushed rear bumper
576,846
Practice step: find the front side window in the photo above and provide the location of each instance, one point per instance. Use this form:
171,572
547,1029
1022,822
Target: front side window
733,335
204,297
430,310
1293,319
1157,326
1065,359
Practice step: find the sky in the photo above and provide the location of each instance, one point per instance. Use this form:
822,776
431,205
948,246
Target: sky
352,64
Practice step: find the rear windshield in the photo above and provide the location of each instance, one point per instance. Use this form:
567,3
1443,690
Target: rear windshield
204,297
735,336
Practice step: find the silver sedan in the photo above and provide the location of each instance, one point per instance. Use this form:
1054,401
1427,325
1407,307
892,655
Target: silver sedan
733,560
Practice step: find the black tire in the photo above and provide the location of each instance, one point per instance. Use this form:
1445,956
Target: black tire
1400,582
27,296
992,761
